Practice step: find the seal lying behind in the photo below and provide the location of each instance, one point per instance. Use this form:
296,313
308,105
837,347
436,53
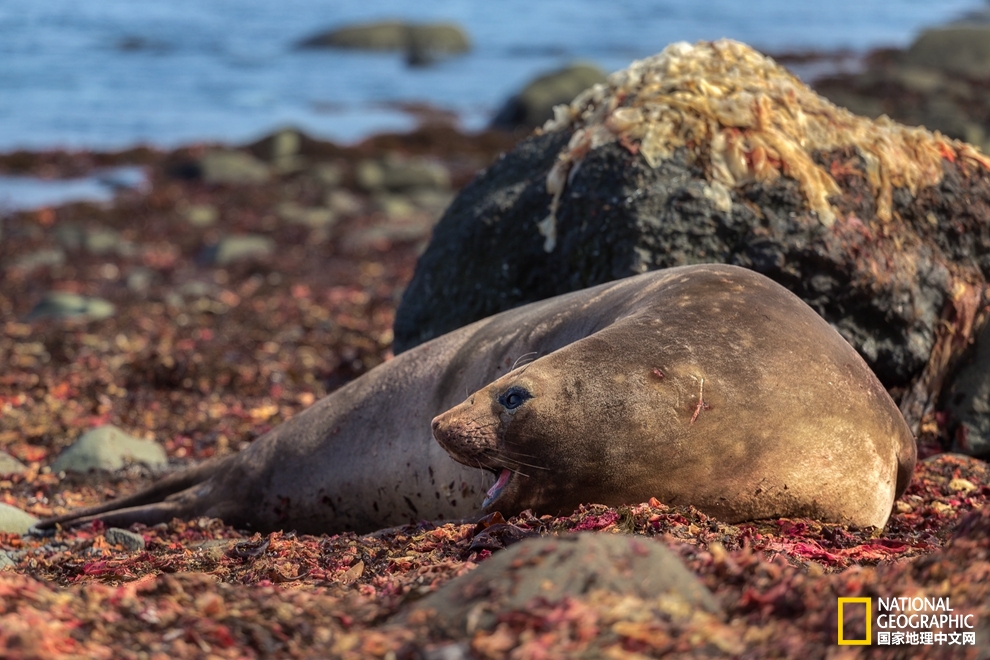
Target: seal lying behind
707,385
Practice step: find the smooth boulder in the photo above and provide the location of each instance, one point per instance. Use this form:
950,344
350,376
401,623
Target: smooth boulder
534,104
108,448
416,39
554,568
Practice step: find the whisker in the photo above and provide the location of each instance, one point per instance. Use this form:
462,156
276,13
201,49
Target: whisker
529,465
519,472
522,357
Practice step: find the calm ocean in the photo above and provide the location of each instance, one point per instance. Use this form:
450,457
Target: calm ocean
227,69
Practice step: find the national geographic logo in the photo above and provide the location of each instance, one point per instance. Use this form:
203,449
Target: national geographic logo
903,621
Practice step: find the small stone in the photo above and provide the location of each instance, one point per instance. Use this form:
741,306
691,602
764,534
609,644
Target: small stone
284,143
201,215
63,305
108,448
15,521
106,241
10,465
139,279
313,217
395,207
434,202
397,174
131,541
343,202
240,248
329,174
233,167
70,235
39,259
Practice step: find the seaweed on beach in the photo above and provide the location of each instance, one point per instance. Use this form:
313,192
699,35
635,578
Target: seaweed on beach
204,358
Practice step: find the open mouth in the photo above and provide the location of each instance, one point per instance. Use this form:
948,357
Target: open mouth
496,490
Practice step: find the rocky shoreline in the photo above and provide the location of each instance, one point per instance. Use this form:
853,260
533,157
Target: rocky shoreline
245,283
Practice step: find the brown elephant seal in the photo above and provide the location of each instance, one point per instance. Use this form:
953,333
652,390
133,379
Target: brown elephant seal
706,385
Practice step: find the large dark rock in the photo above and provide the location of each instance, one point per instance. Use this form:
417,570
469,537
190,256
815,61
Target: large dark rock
884,230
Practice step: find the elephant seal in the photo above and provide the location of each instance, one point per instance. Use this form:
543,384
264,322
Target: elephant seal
718,388
707,385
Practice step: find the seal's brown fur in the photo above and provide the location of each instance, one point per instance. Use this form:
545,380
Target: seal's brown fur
793,422
717,388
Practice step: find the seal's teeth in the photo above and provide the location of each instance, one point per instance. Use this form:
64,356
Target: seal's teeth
494,491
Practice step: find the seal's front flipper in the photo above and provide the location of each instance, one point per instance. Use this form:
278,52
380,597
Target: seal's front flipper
158,503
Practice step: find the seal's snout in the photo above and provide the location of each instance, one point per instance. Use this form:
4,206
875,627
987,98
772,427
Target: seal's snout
440,430
445,432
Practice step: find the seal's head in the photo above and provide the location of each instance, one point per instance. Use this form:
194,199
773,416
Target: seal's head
557,433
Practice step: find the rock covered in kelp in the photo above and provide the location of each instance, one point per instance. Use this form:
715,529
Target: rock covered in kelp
713,153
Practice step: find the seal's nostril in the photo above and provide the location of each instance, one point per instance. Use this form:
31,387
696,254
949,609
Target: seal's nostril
435,424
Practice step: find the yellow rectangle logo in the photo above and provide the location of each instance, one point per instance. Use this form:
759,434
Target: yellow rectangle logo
869,620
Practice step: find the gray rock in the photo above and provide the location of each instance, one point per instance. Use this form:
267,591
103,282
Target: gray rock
15,521
240,248
130,540
63,305
10,465
567,566
960,49
397,174
282,150
201,215
330,175
441,38
343,202
140,278
6,562
395,207
283,143
315,217
108,448
43,258
232,167
532,106
70,235
103,241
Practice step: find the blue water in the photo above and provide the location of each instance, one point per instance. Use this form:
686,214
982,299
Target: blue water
227,70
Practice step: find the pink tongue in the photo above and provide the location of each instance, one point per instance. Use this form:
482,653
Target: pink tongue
503,478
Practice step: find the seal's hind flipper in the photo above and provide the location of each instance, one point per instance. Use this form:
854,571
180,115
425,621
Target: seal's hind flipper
147,514
149,506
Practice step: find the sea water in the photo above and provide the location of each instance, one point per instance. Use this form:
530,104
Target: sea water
114,73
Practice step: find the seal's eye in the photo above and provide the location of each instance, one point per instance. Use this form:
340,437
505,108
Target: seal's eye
514,397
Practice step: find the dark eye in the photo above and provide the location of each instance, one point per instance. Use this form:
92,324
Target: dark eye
514,397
